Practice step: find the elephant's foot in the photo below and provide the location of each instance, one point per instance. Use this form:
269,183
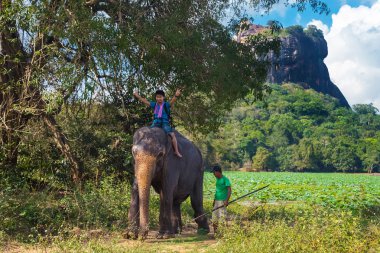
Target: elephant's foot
178,231
164,236
167,236
130,235
203,231
143,235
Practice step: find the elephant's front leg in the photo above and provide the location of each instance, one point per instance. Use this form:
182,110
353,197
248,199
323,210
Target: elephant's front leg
133,213
161,220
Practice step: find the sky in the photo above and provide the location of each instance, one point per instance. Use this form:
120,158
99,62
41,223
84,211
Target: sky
352,32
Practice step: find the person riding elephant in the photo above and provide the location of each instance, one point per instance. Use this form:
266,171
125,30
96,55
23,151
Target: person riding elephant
161,112
172,177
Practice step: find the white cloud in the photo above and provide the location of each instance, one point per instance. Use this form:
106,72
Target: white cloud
298,18
281,8
320,25
354,52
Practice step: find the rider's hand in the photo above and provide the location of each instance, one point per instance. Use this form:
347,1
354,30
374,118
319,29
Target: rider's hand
226,203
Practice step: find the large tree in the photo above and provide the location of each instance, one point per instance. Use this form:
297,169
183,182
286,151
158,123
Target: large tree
55,53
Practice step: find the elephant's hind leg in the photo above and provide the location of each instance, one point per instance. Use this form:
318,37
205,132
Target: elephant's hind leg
176,217
196,198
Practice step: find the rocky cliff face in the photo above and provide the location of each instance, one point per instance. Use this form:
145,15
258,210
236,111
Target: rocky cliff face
301,61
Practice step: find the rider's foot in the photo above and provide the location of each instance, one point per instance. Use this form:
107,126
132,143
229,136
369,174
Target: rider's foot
178,154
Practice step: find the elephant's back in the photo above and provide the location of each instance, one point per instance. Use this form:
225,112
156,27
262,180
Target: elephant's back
192,155
186,143
182,140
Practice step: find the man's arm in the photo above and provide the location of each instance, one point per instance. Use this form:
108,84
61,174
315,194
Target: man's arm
177,94
228,196
144,100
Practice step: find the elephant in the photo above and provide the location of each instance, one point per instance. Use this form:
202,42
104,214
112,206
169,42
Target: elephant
173,178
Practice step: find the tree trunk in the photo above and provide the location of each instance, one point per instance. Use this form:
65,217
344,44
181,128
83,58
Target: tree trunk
18,94
9,144
61,142
11,76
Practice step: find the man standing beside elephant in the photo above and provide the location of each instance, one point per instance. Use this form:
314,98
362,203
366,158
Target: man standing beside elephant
222,196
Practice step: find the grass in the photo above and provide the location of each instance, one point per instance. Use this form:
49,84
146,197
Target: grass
301,228
300,212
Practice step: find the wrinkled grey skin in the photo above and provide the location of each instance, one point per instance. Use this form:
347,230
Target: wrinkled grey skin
173,178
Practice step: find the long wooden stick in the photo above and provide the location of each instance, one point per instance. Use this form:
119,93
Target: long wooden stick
245,195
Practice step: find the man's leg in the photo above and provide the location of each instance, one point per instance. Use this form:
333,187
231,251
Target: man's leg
174,142
216,215
170,132
156,124
223,215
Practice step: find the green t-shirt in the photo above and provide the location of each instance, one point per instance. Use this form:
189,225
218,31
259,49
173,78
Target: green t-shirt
221,192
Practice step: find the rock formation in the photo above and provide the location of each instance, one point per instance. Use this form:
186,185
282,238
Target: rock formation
301,60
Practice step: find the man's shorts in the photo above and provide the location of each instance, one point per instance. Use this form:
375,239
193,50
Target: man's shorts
221,213
164,125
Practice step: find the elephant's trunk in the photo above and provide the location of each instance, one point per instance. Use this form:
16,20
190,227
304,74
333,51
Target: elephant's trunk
144,170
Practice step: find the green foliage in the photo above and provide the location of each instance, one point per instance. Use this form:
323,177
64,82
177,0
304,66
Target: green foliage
317,6
301,130
313,31
101,50
295,29
262,160
300,228
365,109
27,215
98,135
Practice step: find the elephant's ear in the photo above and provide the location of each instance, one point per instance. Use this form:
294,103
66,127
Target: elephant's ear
161,158
168,148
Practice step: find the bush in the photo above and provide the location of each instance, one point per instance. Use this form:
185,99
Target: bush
25,215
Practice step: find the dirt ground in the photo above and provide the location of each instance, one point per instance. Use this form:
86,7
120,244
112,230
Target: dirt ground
187,241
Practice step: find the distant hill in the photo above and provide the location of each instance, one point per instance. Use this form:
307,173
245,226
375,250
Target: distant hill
296,129
300,60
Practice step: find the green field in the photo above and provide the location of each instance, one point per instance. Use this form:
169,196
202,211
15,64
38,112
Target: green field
299,212
342,191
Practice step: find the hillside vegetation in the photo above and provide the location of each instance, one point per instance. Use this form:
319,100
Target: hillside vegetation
297,129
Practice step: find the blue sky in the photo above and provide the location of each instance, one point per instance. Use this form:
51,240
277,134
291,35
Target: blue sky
289,16
352,32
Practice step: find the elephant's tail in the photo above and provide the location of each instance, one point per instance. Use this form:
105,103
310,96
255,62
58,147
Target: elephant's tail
202,163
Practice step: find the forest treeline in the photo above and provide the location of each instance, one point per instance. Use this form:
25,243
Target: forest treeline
293,129
297,129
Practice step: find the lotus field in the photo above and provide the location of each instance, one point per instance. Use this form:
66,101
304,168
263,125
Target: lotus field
341,191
